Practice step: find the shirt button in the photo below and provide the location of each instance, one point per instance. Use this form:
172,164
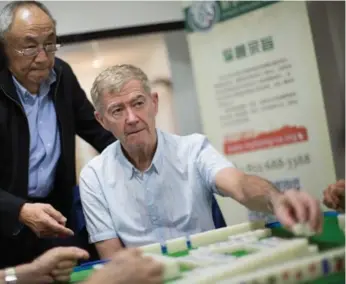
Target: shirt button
49,144
40,122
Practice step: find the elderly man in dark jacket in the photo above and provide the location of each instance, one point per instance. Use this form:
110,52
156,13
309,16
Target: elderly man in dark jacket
42,108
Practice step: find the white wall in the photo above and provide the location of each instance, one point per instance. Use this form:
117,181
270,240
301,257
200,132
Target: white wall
185,102
101,15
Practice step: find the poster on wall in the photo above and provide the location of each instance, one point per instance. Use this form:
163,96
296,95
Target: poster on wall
259,91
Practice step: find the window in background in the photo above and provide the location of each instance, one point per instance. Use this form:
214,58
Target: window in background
148,52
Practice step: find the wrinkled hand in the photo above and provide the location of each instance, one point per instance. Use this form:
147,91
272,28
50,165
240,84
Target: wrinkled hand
295,206
44,220
55,265
334,196
129,266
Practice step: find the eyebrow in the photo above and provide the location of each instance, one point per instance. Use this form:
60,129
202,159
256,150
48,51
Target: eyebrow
34,38
114,105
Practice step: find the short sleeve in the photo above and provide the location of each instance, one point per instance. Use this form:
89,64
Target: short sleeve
209,163
97,216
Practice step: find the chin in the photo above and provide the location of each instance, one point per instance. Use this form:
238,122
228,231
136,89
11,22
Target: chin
136,145
39,75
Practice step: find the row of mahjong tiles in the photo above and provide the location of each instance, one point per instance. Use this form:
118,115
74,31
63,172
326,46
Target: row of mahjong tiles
243,254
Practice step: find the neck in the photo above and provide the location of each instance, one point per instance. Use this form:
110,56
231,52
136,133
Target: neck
33,88
142,157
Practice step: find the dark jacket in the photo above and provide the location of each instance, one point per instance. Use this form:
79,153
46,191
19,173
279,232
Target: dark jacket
75,115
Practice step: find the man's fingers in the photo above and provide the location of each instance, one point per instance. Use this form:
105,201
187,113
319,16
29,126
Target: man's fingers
157,268
71,253
299,210
340,184
286,216
57,228
314,212
55,214
329,200
66,264
339,191
56,273
63,278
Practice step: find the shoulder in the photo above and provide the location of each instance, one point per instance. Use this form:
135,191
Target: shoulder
94,170
61,64
185,144
184,140
66,70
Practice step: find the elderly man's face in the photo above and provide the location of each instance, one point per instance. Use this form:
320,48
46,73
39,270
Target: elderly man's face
130,115
31,28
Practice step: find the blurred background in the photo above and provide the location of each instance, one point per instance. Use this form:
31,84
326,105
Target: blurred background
188,52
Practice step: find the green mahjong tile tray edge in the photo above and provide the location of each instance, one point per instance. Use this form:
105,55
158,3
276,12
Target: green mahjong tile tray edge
331,237
80,276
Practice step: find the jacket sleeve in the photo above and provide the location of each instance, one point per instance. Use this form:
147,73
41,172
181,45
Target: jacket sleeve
10,207
87,127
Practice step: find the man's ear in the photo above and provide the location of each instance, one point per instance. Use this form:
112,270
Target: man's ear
100,120
155,98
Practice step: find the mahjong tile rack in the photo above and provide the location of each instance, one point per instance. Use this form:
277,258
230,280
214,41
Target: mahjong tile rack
254,252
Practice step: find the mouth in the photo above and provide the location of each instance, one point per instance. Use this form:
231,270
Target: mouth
134,132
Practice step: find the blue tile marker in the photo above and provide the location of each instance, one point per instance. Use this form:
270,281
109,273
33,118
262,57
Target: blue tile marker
273,225
325,266
188,243
89,265
163,249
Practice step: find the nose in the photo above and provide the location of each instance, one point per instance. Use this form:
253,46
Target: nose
131,117
41,56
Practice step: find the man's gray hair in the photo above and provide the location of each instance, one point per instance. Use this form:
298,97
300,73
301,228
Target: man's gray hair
7,14
113,79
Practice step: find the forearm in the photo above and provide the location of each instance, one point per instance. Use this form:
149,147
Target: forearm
253,192
24,273
10,206
106,249
258,194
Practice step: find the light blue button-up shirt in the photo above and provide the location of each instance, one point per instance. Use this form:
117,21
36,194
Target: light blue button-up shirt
44,136
172,198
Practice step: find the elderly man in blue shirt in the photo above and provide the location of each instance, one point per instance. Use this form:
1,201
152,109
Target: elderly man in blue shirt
42,109
151,186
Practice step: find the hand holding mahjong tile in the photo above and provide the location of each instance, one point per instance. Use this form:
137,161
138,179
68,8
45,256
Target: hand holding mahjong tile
299,212
334,196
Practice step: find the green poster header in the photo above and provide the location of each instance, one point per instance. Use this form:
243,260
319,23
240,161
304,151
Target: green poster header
202,15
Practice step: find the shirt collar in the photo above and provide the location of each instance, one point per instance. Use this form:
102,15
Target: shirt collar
156,163
22,91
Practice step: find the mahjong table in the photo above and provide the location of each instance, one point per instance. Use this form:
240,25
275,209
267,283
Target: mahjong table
325,265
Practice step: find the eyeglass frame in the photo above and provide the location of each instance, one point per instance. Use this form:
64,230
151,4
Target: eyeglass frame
38,49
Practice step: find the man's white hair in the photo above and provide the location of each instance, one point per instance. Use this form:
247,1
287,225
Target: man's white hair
112,80
7,14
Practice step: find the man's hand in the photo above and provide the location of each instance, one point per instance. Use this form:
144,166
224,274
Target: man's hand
44,220
128,266
55,265
334,196
295,206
